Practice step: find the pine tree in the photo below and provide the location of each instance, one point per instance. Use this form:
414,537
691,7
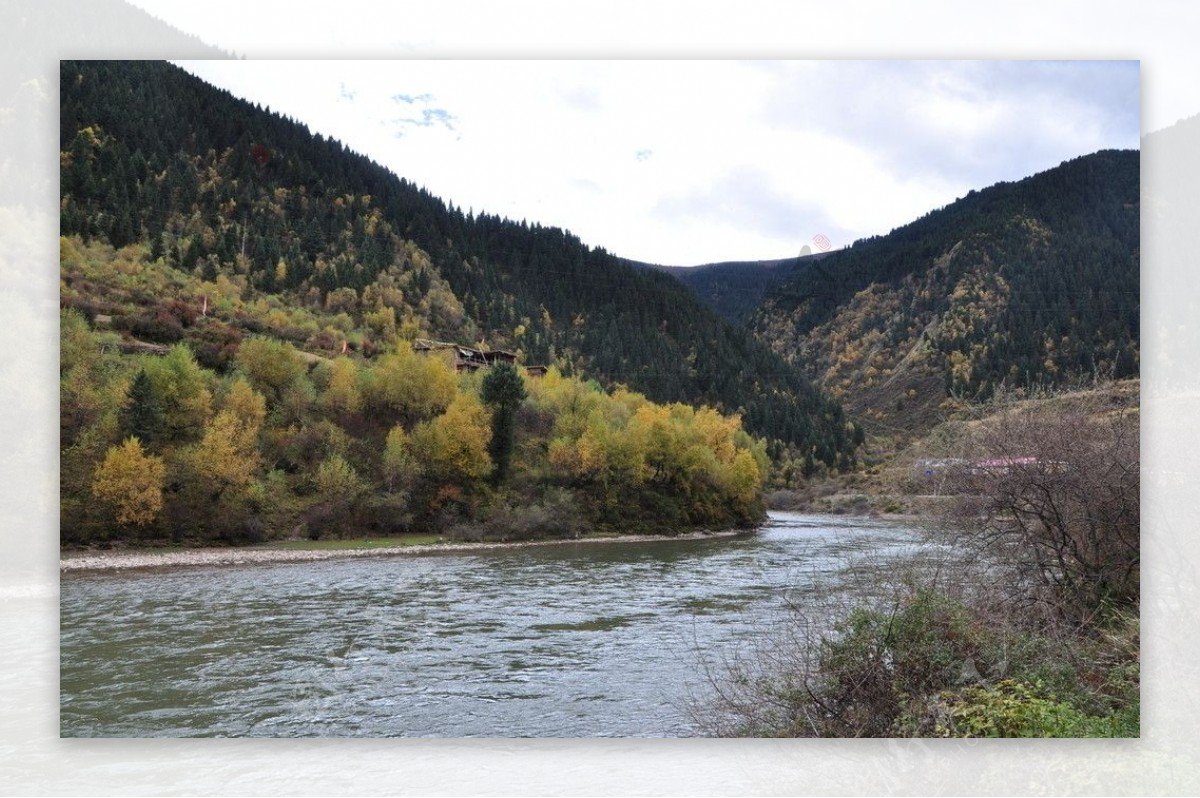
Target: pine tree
142,416
503,391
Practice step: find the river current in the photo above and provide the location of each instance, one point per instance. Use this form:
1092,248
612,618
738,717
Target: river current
568,640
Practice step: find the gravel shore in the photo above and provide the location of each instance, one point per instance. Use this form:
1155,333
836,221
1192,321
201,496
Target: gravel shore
182,558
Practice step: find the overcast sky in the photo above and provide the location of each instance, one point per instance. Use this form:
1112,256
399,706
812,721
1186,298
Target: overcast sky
689,162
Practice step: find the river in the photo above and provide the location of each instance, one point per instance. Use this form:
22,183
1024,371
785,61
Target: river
596,640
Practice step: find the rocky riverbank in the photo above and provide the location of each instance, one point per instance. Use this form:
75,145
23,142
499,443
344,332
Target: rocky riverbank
115,560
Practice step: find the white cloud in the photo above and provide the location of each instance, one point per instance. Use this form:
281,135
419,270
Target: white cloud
685,162
972,122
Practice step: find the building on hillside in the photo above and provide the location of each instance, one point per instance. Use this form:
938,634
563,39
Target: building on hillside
992,465
938,466
1002,465
467,358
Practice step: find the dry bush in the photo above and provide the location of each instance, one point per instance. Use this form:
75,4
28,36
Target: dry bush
922,653
1023,623
853,657
1057,499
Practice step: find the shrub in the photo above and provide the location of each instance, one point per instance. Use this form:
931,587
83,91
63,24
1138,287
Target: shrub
929,665
556,516
1012,708
879,663
157,325
215,344
1056,499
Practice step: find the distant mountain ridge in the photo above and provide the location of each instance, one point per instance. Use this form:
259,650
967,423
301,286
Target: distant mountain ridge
734,289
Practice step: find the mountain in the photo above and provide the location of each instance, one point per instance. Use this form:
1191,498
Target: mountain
223,190
1021,287
735,288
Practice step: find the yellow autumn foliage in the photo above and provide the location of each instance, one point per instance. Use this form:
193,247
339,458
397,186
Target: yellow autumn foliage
621,441
131,482
411,385
226,457
453,446
342,394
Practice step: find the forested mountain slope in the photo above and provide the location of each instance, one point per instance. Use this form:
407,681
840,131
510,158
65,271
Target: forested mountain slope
735,289
221,189
1019,287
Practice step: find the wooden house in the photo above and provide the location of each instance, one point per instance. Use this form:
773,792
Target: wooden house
467,358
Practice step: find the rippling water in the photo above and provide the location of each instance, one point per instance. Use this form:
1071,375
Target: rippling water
595,640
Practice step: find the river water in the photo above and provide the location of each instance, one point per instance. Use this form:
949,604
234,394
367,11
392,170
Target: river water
570,640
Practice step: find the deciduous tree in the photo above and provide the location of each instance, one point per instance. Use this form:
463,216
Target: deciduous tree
181,386
399,465
454,446
342,394
1057,498
131,482
409,387
270,365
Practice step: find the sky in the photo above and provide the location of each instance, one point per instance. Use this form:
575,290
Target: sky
686,162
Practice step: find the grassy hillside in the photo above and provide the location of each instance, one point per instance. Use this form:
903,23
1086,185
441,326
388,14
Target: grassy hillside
905,483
